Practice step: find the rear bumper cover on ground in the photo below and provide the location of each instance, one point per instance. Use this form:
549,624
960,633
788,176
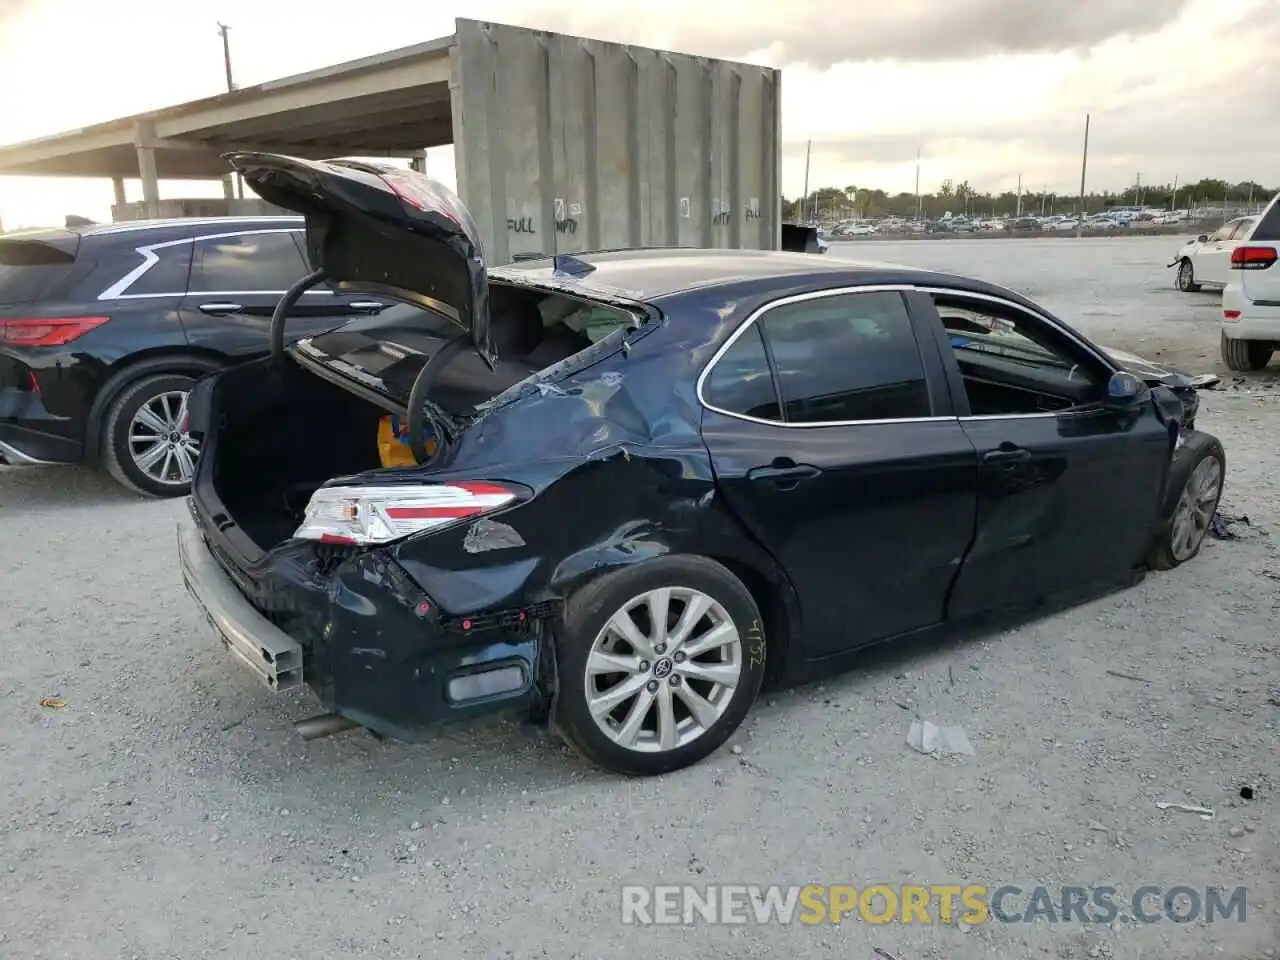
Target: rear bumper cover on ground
362,636
272,654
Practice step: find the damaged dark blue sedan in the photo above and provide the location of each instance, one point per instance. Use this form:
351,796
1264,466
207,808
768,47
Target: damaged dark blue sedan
634,486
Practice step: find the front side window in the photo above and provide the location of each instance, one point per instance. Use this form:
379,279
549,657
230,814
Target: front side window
850,356
1224,231
1011,364
1242,229
246,263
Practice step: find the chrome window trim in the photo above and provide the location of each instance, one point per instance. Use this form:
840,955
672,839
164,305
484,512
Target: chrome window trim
901,288
115,229
117,291
787,301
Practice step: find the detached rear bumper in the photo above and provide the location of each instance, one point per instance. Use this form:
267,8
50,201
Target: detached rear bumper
262,646
363,637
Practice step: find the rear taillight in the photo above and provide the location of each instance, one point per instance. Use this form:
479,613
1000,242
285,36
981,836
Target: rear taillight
1230,315
1252,258
360,516
47,331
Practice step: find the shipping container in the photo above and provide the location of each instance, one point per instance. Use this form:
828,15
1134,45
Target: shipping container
564,144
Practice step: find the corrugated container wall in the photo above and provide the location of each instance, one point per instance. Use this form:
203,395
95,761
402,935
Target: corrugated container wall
564,144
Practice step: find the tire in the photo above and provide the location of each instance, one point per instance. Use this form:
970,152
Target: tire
1191,498
635,746
121,449
1245,355
1186,276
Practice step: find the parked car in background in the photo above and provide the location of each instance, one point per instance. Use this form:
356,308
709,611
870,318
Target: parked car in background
1251,298
103,329
1206,260
676,473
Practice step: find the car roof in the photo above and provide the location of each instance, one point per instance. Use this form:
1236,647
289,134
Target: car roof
182,223
661,273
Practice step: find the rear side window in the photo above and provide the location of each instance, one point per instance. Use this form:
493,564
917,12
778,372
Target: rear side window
847,357
741,381
246,263
168,275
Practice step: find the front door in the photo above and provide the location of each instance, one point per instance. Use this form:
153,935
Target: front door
833,442
1070,491
235,283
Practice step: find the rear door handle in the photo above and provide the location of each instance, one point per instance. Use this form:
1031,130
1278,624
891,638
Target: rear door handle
1007,453
218,309
366,306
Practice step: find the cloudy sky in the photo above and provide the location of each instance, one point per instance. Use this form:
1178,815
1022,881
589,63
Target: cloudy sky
985,89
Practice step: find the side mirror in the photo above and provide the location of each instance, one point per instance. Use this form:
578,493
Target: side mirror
1203,237
1125,392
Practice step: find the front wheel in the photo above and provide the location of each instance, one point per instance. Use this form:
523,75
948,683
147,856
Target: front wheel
1245,355
146,446
1195,488
658,664
1187,276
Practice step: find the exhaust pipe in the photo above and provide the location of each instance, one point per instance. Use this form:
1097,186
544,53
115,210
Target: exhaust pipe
325,725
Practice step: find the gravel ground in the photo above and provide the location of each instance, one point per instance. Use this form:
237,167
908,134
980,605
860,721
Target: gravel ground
168,810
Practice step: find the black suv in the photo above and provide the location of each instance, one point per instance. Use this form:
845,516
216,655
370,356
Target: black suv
103,329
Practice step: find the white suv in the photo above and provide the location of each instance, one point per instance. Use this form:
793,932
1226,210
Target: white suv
1251,298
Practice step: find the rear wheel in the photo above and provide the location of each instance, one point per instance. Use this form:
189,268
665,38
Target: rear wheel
146,446
658,664
1187,276
1246,355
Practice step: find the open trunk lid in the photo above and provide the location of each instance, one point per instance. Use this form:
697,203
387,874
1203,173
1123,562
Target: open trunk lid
376,228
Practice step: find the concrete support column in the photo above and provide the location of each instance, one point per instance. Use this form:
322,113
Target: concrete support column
144,136
228,187
150,178
419,163
117,185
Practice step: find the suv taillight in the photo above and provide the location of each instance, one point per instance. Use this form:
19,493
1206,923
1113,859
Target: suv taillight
364,516
47,331
1252,258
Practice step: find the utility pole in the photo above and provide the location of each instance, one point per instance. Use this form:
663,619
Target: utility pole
1044,197
1137,191
804,200
224,32
1019,210
917,183
1173,199
1084,166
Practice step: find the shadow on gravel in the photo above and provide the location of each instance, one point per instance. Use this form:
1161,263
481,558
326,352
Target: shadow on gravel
49,488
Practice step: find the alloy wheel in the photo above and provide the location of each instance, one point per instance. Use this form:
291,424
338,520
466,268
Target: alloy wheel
159,442
1184,275
663,669
1195,509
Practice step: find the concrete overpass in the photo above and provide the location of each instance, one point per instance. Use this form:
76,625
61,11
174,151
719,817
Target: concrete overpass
562,143
391,104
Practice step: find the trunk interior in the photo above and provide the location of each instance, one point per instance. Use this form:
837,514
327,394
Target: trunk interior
284,431
283,434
